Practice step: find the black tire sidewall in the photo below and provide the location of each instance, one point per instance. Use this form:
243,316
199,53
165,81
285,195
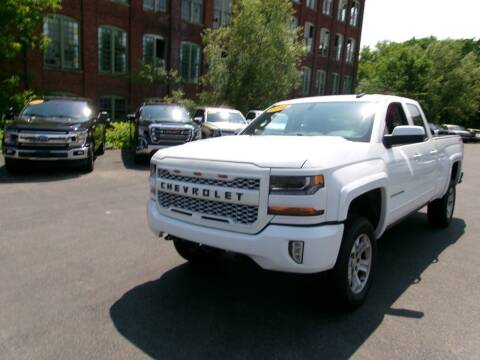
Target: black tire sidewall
346,297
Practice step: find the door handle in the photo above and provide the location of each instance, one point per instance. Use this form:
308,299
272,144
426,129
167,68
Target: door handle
417,156
434,152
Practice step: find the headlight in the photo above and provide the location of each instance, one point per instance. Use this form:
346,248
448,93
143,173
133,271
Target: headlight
296,185
10,137
80,138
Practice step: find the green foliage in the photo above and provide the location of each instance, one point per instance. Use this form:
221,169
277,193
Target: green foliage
255,60
19,21
178,97
444,75
119,135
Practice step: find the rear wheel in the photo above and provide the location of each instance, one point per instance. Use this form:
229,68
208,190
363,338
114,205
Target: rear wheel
440,211
195,253
352,275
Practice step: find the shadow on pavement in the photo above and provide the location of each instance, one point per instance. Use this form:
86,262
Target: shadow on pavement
40,171
239,311
128,159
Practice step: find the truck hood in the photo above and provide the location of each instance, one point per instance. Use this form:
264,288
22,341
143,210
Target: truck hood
55,124
228,126
270,151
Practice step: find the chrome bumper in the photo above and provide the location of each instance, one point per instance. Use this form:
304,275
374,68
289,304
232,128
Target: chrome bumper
45,154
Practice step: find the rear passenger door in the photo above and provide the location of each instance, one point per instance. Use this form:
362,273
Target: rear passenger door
426,157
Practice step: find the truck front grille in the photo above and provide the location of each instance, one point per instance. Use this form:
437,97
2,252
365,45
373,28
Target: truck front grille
210,210
238,183
167,136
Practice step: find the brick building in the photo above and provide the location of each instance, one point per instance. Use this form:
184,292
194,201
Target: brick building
97,44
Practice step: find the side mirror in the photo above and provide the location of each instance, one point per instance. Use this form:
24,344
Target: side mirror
198,119
103,116
131,117
403,135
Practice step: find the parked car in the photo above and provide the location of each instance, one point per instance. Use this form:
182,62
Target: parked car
317,196
219,121
458,130
437,130
55,128
158,125
252,115
475,134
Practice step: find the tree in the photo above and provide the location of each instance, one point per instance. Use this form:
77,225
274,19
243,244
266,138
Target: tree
255,60
20,21
444,75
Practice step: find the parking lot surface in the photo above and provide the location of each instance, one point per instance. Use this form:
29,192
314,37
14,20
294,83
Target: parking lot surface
82,277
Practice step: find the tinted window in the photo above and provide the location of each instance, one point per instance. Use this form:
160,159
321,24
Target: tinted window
164,113
61,110
395,117
251,115
350,120
225,116
417,117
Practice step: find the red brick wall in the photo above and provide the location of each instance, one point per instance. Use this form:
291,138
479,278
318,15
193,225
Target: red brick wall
94,13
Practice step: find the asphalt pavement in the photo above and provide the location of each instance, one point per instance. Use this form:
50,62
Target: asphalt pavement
82,277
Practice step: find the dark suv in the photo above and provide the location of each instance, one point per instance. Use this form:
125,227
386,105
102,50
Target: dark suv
159,125
55,128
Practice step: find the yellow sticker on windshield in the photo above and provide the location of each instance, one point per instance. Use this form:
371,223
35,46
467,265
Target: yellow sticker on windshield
36,102
277,108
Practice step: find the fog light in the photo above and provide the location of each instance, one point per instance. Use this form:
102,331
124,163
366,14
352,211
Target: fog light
295,250
78,152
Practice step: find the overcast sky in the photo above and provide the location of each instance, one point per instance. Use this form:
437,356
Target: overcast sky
400,20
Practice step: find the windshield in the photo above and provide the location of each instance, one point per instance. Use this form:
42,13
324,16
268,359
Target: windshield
226,116
165,113
350,120
62,110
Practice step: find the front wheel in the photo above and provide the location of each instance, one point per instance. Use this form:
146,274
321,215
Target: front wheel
11,165
352,275
195,253
89,162
440,211
101,149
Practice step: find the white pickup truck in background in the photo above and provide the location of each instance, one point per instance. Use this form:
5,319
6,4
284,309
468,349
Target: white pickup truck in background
308,186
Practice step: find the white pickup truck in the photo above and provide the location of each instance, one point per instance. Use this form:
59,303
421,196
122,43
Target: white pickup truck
308,186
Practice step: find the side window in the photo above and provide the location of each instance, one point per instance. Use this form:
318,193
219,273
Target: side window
395,117
417,117
199,113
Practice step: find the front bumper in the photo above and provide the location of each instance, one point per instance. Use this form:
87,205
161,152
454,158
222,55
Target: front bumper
45,153
269,248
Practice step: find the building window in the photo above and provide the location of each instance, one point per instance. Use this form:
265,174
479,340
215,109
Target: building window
112,50
155,5
354,13
222,9
324,43
309,35
190,62
320,82
338,47
63,52
154,49
347,84
342,11
121,1
116,106
312,4
293,23
335,83
327,7
306,77
192,11
350,51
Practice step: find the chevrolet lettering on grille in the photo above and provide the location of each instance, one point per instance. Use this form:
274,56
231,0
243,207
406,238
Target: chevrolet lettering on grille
237,196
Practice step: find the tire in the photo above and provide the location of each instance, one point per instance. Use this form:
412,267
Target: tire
101,149
89,162
358,235
139,159
440,211
195,253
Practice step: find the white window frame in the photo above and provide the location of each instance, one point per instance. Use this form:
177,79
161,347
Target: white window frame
306,80
342,10
222,8
327,7
311,4
113,49
157,62
355,13
338,47
189,5
324,42
155,5
61,45
309,36
350,51
193,73
320,85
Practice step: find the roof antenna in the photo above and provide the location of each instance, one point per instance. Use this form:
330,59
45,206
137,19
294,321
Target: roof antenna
361,95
